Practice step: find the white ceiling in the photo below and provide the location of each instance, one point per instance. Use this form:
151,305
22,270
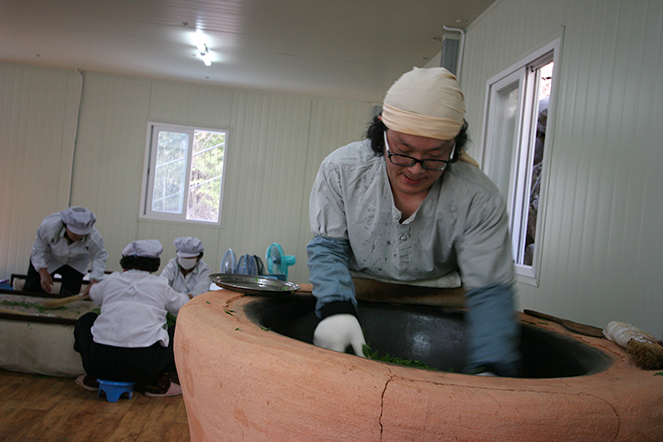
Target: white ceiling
348,49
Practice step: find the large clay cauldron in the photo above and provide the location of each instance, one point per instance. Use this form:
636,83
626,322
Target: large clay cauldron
434,336
249,372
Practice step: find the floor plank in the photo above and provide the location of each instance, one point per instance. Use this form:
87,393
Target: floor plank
50,409
16,424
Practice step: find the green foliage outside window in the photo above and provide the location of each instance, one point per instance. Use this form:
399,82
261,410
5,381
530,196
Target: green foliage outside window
206,171
203,197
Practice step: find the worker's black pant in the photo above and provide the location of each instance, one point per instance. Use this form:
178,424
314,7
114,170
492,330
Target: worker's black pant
121,364
70,285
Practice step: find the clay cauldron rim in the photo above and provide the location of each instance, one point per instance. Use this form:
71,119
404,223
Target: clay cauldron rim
242,382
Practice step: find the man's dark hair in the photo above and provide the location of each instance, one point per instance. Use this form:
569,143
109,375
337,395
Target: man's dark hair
377,128
140,263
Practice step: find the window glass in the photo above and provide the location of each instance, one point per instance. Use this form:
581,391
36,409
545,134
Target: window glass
170,172
183,179
505,108
206,174
544,77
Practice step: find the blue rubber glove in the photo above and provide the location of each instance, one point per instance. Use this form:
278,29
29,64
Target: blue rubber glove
337,332
493,330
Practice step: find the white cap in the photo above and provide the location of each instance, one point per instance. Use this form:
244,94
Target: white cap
425,102
78,219
188,246
144,248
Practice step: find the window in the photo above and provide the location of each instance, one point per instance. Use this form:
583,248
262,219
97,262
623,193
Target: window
183,177
515,155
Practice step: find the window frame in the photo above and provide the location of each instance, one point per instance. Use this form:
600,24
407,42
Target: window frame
521,160
146,212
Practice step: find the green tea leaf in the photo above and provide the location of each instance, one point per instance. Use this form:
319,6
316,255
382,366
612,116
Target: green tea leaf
366,350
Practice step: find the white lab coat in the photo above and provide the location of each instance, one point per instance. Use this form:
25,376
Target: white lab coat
133,309
194,283
51,250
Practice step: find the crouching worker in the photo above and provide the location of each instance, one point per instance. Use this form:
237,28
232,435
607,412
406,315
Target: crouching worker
188,273
130,340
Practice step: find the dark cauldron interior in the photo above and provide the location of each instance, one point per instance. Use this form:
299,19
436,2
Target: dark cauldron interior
432,335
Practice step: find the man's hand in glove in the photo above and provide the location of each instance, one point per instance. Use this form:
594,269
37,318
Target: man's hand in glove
337,332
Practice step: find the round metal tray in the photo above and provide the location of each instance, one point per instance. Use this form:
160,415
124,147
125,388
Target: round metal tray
253,285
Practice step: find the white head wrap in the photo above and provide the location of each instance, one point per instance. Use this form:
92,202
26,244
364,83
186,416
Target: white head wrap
144,248
425,102
78,219
188,246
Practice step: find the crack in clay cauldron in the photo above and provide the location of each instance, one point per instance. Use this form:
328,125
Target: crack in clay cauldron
435,336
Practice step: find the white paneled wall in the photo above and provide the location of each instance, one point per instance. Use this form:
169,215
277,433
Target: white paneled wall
265,170
276,143
38,115
603,239
108,163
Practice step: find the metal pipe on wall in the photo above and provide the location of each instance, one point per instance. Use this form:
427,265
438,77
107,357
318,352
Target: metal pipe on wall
460,49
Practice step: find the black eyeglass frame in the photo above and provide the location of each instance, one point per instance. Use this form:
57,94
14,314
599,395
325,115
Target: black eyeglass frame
414,161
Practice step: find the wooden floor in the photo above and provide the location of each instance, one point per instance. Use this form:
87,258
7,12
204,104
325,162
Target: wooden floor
41,408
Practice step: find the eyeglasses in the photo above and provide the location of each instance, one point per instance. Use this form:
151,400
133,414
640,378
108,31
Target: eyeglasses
408,161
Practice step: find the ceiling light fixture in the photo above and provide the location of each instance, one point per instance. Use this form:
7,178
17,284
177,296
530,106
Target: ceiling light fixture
204,54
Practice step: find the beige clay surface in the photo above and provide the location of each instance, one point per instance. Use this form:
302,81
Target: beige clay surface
244,383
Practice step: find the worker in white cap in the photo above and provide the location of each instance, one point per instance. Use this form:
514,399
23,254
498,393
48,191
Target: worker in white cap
187,273
67,243
129,340
399,207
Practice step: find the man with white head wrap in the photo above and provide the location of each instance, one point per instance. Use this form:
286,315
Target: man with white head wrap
399,207
188,273
66,243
